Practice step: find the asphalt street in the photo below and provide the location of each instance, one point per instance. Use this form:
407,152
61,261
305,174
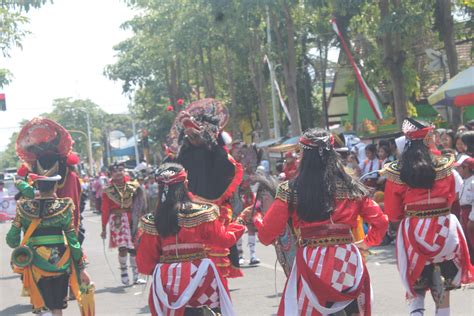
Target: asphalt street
257,293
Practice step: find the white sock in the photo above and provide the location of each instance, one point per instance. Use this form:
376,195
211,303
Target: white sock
252,239
416,305
133,265
122,262
443,311
123,269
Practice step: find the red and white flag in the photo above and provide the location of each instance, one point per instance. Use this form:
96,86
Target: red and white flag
368,93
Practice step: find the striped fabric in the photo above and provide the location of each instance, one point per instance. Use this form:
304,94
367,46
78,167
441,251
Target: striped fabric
339,267
422,241
188,284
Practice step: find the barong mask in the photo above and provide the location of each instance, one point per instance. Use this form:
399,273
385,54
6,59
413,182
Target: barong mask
200,123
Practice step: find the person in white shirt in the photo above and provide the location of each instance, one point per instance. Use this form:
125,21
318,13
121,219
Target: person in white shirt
369,166
465,168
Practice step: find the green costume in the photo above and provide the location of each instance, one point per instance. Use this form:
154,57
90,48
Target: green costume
57,253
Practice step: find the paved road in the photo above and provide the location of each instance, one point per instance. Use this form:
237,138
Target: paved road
253,295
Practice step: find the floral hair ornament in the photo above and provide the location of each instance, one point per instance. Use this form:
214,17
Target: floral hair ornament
320,143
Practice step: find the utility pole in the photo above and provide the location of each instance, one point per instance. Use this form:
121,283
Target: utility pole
91,161
276,126
137,157
107,140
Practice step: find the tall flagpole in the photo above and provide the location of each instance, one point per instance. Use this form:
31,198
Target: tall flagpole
276,126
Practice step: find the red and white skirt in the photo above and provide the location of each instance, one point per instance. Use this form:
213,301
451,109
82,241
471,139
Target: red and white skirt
424,241
188,284
120,233
325,280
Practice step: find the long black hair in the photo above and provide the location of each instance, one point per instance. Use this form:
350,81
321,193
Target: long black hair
171,199
417,165
468,139
320,175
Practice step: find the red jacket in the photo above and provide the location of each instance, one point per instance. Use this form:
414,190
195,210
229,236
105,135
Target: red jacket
151,245
346,212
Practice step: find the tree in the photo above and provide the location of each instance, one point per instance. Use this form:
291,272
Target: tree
444,24
12,29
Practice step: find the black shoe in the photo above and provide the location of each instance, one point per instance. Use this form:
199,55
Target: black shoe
254,261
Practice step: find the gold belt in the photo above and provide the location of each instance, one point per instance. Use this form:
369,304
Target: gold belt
182,257
325,241
428,213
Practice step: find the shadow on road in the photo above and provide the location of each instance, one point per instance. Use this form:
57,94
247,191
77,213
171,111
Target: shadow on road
10,277
274,295
249,267
115,290
144,310
16,310
384,255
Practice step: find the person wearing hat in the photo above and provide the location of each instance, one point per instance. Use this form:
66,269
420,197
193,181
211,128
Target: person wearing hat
465,168
432,252
49,257
172,248
322,204
117,213
45,148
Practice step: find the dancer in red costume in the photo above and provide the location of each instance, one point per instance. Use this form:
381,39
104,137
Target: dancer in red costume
197,141
117,211
322,203
45,147
172,249
431,247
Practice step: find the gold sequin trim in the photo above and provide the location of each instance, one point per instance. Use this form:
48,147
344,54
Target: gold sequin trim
444,168
198,214
428,213
324,242
183,257
147,224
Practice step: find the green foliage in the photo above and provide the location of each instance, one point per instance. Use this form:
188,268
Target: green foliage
5,77
8,158
11,30
177,51
24,4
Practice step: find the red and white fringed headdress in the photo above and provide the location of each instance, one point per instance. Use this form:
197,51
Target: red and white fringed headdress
169,177
415,130
321,143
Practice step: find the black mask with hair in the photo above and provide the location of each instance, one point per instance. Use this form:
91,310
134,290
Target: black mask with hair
209,170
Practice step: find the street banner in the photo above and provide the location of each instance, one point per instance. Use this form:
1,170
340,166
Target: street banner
368,93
